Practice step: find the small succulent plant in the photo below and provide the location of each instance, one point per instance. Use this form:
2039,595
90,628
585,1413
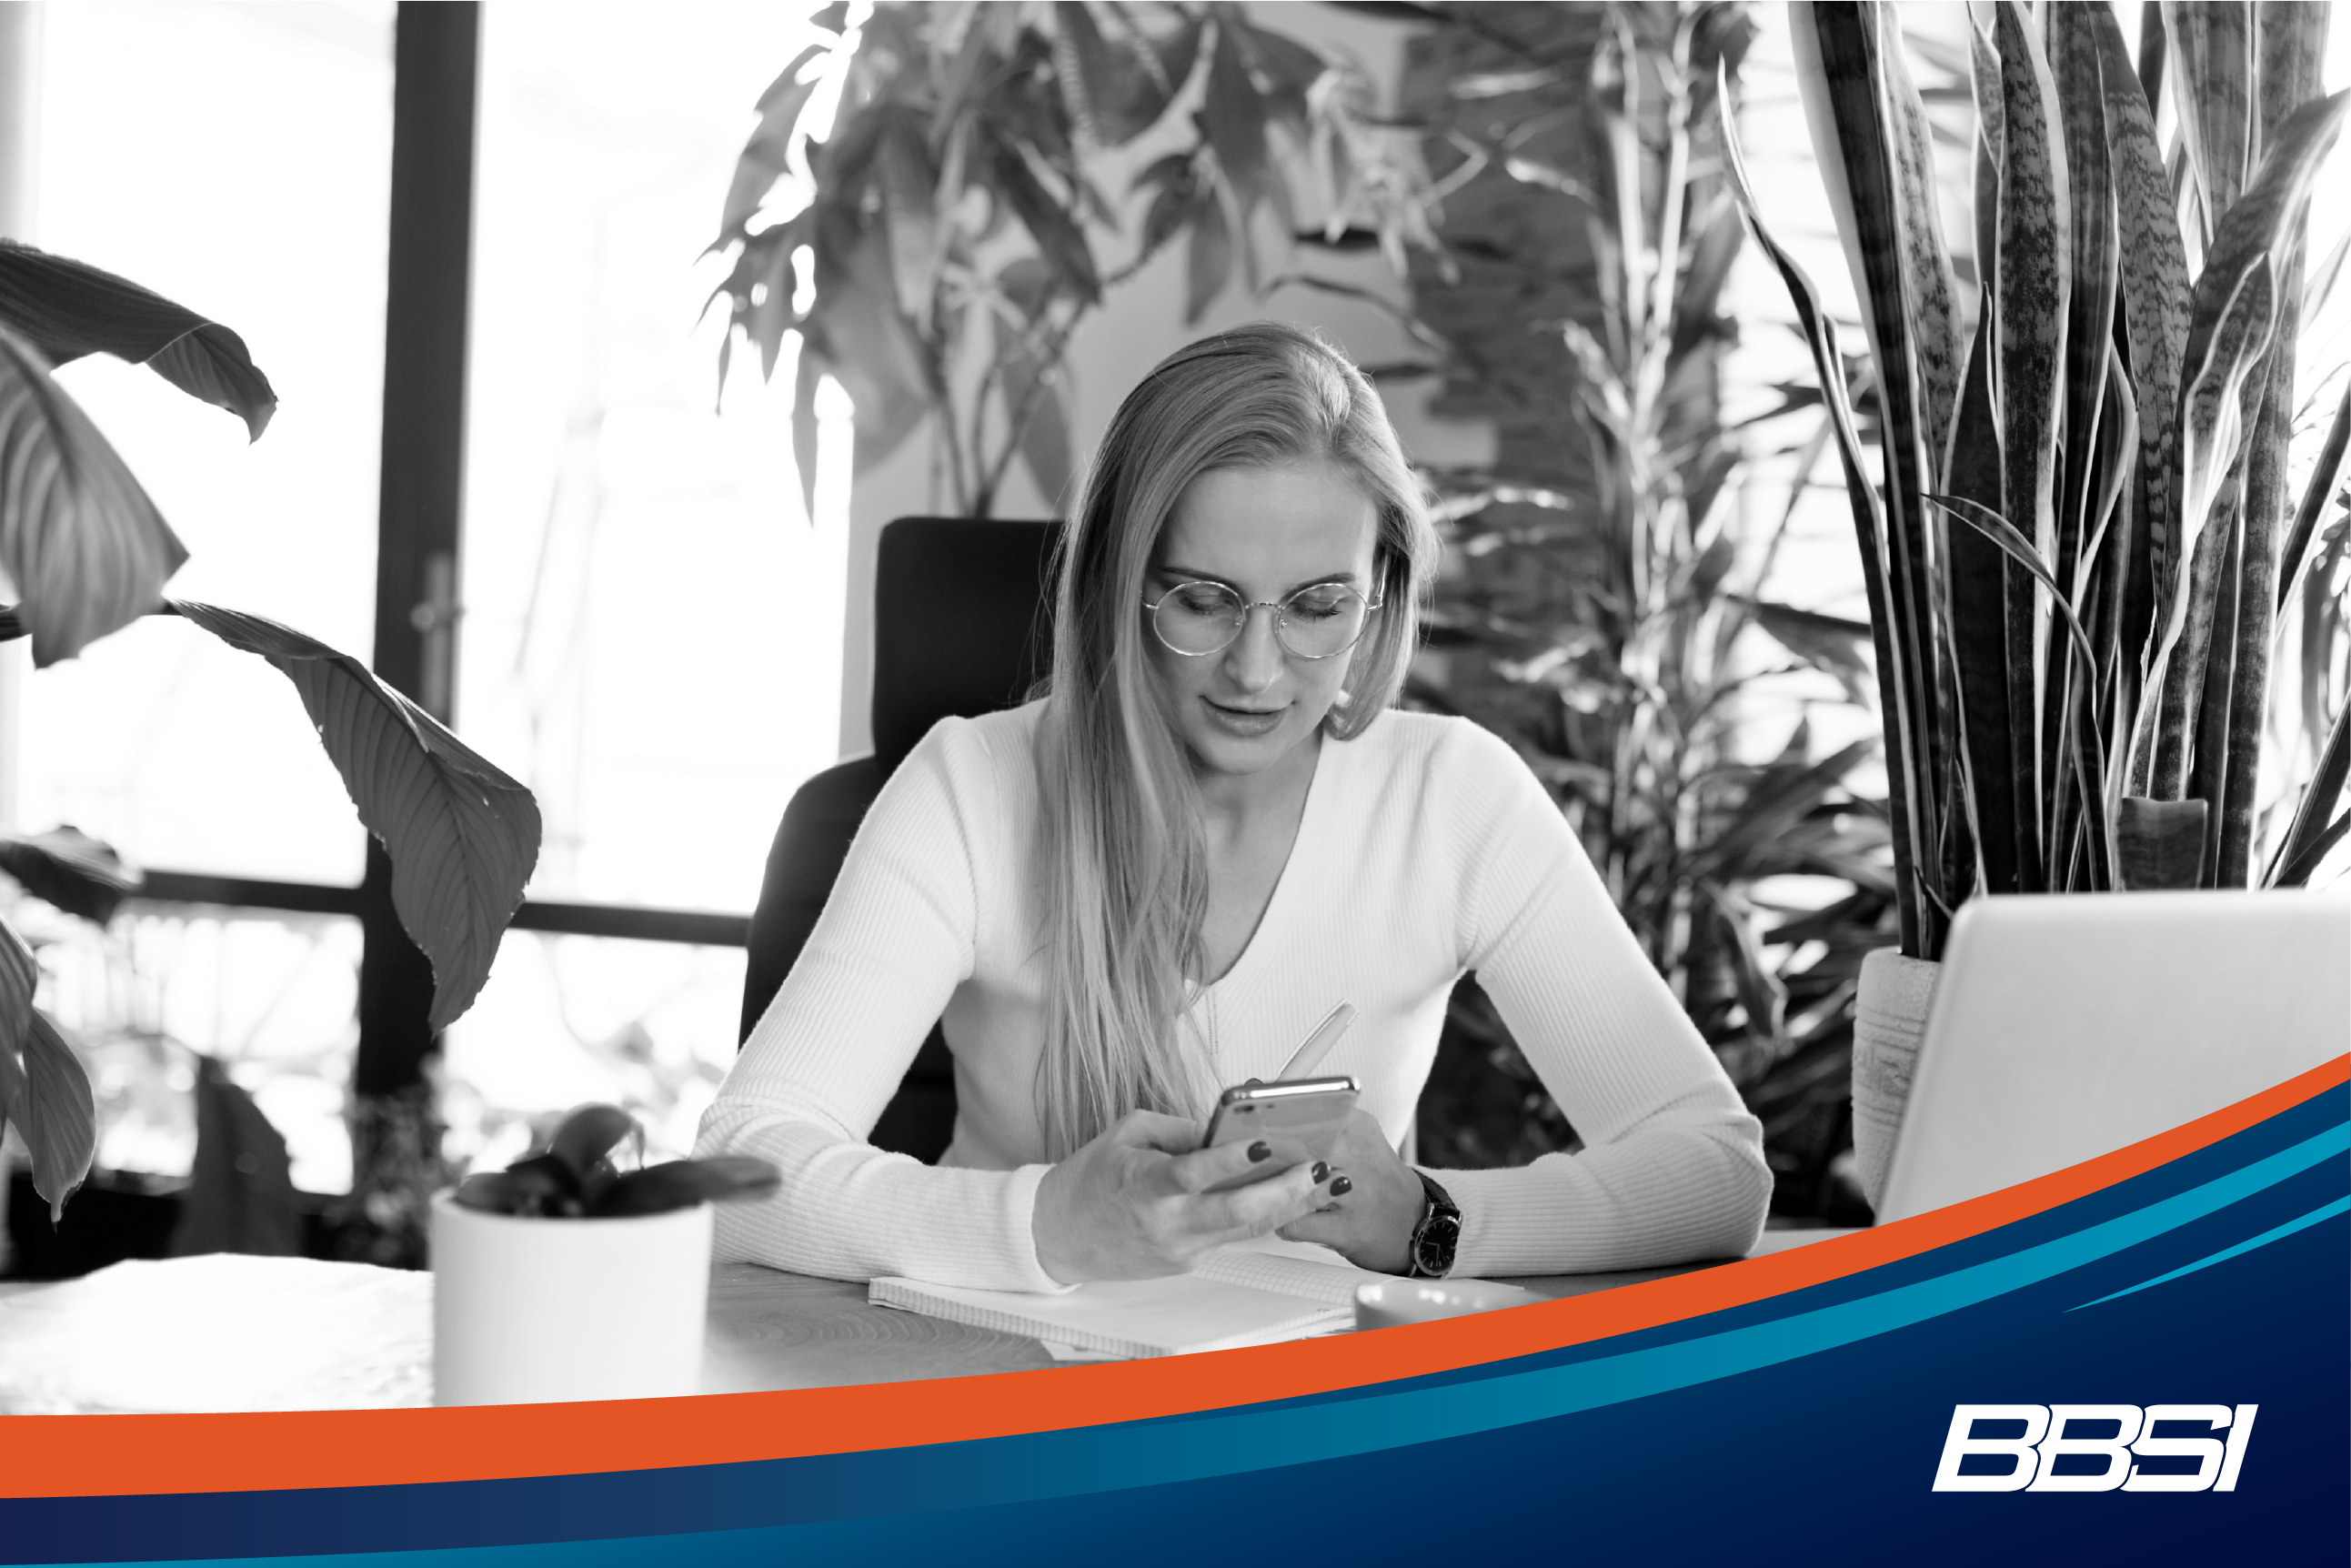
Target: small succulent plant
575,1178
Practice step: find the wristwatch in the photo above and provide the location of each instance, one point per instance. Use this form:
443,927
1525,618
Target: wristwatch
1435,1236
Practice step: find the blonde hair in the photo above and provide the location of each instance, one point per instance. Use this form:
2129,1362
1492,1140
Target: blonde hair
1124,887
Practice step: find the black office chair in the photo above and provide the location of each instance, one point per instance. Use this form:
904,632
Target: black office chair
962,626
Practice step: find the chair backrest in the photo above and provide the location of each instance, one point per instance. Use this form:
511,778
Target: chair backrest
962,623
962,626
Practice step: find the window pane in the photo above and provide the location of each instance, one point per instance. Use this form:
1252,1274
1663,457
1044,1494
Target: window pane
235,159
653,630
648,1026
271,995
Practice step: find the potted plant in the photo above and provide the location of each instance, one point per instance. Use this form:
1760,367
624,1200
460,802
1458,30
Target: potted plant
565,1277
2084,537
1605,605
963,127
87,552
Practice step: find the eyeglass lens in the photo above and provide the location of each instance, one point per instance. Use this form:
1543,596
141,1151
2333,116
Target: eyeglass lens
1315,622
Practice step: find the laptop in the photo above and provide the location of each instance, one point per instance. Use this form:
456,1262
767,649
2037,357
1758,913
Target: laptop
2065,1027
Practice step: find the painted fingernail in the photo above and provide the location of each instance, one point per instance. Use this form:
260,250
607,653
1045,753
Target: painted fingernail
1341,1187
1260,1150
1320,1171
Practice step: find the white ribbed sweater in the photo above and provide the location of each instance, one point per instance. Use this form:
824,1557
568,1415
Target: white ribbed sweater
1425,849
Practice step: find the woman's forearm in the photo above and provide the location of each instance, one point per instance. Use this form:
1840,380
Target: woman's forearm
1669,1192
850,1211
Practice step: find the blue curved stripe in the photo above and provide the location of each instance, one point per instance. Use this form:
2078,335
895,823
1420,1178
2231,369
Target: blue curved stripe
2340,1206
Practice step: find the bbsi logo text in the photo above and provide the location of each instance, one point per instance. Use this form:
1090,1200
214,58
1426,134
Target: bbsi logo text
2094,1448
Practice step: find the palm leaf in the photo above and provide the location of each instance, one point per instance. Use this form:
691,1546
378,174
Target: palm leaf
462,836
78,537
68,868
69,309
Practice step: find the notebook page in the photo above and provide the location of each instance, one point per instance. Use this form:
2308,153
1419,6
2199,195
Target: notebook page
1172,1316
1332,1284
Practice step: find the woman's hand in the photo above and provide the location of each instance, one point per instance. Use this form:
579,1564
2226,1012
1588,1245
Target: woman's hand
1133,1204
1375,1203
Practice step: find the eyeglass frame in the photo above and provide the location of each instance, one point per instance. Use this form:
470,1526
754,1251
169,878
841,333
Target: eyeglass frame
1280,608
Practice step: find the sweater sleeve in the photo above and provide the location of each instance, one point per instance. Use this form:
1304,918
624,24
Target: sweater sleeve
1672,1168
895,938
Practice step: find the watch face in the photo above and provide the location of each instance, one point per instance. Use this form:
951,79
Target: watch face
1432,1249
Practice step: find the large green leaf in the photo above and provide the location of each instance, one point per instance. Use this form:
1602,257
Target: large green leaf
69,308
1976,581
85,549
2154,296
764,157
46,1097
1930,293
1907,794
2325,473
2211,85
2162,844
1039,424
240,1193
2035,278
68,868
462,836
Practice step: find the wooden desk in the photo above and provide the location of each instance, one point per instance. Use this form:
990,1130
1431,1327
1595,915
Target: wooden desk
770,1330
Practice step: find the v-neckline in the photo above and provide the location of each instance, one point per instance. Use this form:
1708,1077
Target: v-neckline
1279,902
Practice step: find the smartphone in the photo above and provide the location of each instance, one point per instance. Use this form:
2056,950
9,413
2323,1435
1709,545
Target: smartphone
1299,1117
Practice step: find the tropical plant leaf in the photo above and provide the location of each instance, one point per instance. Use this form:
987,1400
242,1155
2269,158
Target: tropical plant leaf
871,348
2301,847
462,836
765,157
1122,94
1208,257
68,868
240,1193
1975,582
46,1096
69,308
1234,119
1907,794
87,549
2074,65
2018,548
20,977
2325,475
586,1137
1930,293
682,1183
1396,11
1038,424
1831,642
2162,843
2212,58
2035,284
1057,237
2298,871
909,184
2155,298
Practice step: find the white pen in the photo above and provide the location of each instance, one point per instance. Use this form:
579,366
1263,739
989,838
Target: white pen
1318,1044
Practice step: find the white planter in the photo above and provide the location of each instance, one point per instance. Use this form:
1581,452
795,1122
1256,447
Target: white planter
1889,1020
530,1310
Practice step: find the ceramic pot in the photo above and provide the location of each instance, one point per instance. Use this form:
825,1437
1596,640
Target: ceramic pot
527,1310
1889,1020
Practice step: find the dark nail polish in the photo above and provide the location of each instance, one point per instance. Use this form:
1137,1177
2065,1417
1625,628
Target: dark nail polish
1341,1187
1260,1150
1320,1171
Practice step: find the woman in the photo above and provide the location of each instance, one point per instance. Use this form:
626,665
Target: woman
1154,881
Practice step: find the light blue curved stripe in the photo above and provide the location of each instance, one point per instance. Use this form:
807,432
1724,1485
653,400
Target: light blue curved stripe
1099,1458
2340,1206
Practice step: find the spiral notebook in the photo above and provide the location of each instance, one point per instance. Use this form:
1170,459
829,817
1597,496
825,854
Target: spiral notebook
1259,1294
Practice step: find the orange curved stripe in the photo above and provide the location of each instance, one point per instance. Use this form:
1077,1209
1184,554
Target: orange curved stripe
88,1456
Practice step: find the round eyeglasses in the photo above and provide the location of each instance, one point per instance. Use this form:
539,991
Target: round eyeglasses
1319,620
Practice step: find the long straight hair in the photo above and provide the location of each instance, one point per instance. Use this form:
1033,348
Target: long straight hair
1124,888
